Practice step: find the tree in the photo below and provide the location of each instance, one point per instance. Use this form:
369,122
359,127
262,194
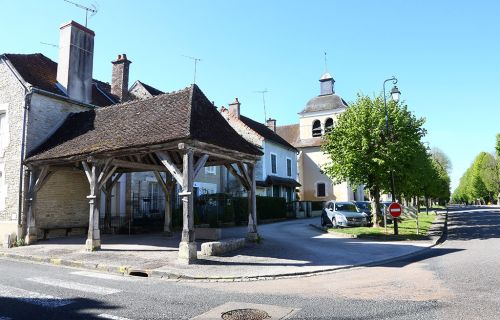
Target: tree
440,157
362,152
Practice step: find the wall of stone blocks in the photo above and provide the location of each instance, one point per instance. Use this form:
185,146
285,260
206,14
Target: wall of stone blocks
12,100
45,116
62,201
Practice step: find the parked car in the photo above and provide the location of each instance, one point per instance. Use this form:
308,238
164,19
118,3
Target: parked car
342,214
365,207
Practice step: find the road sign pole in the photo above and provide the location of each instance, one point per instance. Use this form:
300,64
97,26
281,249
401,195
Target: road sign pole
395,210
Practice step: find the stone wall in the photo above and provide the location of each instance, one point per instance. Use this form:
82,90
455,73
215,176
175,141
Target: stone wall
62,201
45,116
12,103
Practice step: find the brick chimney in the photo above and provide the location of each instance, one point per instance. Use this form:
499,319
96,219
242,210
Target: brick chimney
234,108
76,57
119,77
271,124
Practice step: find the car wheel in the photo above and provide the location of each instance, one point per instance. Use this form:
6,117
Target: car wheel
334,223
323,222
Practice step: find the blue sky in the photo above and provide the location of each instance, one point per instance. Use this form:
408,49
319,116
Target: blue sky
446,54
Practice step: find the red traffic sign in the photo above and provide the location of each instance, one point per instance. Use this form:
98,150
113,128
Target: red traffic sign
395,209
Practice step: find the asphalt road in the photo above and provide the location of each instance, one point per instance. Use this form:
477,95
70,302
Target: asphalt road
459,279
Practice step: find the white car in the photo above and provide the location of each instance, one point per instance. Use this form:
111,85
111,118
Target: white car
342,214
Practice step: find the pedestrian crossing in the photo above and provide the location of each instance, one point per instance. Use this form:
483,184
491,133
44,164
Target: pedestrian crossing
40,297
74,285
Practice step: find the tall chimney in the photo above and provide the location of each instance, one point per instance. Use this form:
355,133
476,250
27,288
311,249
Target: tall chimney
271,124
119,77
234,108
76,56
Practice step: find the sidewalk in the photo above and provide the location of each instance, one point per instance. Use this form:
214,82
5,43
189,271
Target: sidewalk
289,248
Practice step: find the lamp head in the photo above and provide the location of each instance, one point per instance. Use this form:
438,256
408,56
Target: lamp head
395,93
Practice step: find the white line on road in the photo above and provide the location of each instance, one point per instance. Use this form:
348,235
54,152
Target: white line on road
32,297
74,285
103,276
112,317
4,318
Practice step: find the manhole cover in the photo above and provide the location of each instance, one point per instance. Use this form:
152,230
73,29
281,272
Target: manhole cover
245,314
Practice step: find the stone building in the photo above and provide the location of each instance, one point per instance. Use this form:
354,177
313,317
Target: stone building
277,169
319,115
36,95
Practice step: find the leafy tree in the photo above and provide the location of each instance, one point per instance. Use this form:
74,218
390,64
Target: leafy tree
362,152
440,157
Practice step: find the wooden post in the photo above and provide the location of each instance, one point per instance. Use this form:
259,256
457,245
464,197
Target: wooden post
93,237
187,246
107,190
167,187
252,234
38,177
31,231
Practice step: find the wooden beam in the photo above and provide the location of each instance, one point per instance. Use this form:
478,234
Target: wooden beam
200,164
161,182
136,165
244,173
42,178
170,165
88,173
115,180
231,169
104,178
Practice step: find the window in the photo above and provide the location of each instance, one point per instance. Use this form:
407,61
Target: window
3,130
289,167
276,191
316,130
320,189
273,163
211,170
328,125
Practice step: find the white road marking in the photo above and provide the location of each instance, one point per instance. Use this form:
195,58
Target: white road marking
32,297
103,276
74,285
112,317
4,318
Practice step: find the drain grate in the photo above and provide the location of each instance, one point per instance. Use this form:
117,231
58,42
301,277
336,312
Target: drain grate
138,274
245,314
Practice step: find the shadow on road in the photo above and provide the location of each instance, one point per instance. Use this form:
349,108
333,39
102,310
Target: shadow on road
427,254
47,308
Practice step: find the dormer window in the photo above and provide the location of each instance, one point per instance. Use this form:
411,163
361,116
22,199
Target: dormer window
316,128
328,125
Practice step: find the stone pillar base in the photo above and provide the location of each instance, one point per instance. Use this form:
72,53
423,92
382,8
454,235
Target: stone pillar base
31,237
92,244
187,252
253,236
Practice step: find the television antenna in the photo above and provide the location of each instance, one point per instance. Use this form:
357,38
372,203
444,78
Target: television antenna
93,10
195,63
263,92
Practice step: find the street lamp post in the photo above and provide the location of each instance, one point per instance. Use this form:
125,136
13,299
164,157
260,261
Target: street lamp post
395,93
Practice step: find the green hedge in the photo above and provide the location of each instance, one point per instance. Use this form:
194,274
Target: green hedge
267,208
225,208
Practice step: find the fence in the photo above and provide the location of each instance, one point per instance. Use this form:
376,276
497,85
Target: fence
213,210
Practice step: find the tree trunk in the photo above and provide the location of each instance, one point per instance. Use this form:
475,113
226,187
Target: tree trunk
427,205
375,198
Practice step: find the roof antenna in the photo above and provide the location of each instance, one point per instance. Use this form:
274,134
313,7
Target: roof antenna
92,10
195,63
326,64
263,92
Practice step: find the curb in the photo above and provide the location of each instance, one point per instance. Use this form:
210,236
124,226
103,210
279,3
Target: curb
171,276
